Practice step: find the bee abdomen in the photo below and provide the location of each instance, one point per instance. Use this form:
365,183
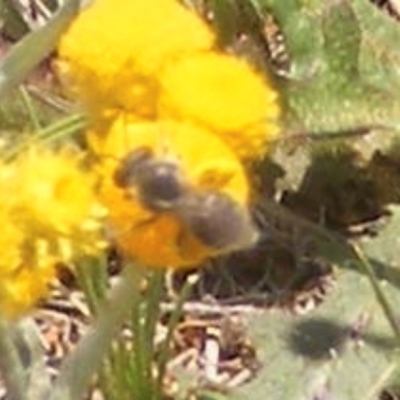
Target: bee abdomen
217,221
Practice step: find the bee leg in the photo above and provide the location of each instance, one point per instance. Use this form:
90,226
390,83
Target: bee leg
131,195
112,233
181,243
145,221
185,244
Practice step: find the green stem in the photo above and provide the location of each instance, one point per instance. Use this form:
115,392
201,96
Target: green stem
11,365
92,279
31,50
144,322
173,322
29,107
64,127
61,128
136,356
80,366
384,303
27,339
153,300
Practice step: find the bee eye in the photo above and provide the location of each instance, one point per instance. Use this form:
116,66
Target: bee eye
125,175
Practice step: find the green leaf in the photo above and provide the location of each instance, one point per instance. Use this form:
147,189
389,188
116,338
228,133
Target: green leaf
79,367
14,26
27,53
344,65
342,39
342,350
384,248
379,53
226,20
27,338
299,22
207,395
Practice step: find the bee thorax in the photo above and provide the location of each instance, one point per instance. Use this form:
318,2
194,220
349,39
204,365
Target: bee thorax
159,187
156,182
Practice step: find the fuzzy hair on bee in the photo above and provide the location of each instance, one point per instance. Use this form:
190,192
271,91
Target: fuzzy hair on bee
158,182
215,219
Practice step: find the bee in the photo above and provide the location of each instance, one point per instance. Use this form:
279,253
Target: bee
215,219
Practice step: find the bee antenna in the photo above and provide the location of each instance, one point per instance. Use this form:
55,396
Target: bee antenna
100,156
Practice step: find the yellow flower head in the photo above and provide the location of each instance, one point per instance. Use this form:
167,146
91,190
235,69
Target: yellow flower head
158,238
55,194
22,289
49,214
114,50
223,94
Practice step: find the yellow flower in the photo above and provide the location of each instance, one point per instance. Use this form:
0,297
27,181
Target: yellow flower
158,238
49,214
114,50
55,194
223,94
21,290
25,269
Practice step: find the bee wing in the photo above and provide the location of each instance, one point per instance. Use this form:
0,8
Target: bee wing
217,221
